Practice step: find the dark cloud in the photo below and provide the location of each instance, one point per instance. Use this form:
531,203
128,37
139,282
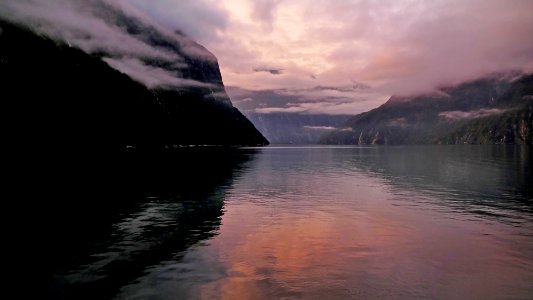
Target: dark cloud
272,71
201,19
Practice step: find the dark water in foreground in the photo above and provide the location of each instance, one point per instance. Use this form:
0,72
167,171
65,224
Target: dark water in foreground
428,222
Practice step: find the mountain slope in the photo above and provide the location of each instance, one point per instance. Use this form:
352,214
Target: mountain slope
513,125
490,110
62,90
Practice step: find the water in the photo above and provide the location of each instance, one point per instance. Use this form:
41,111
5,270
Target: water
413,222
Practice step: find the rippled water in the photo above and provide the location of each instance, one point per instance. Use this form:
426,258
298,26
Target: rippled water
430,222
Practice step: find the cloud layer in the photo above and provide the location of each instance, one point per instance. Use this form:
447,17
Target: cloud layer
108,28
395,47
459,115
341,100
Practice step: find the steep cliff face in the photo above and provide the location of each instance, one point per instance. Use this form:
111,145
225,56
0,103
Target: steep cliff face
123,83
491,110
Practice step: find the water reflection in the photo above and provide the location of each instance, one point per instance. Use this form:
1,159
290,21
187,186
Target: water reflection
480,179
368,223
432,222
465,177
141,210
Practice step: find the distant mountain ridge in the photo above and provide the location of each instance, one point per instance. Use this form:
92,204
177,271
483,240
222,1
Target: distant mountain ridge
294,128
127,84
492,110
270,112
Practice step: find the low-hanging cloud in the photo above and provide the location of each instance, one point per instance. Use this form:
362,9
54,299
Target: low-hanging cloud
150,76
101,27
318,107
473,114
63,21
326,128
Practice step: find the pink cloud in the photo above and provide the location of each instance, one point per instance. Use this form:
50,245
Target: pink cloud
393,47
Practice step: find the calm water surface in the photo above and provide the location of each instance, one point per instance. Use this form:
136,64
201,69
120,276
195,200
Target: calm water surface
424,222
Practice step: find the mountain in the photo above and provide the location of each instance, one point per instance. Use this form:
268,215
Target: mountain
294,128
497,109
101,78
83,83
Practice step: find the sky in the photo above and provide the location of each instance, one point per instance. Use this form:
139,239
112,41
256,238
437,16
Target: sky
363,51
334,57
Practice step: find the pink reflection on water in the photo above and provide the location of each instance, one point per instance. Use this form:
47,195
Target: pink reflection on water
363,246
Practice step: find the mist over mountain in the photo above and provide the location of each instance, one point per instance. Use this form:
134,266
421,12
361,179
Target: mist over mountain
287,117
493,110
99,73
294,128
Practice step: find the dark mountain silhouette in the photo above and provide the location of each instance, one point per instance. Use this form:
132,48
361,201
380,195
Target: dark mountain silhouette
89,131
59,96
